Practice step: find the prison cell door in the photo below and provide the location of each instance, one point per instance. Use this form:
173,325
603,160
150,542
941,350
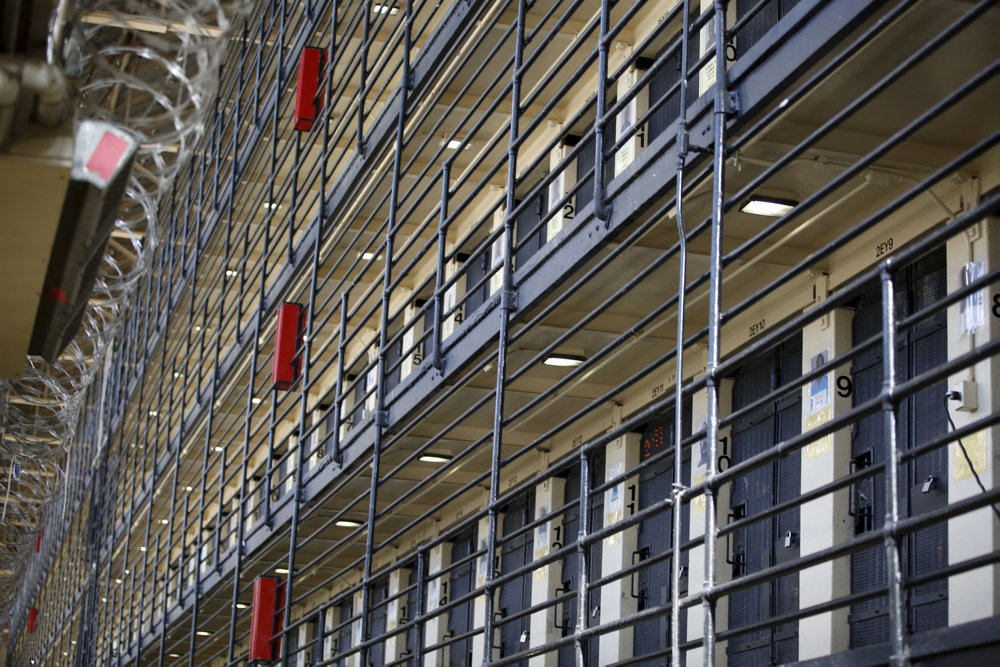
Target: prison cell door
377,620
344,632
566,614
772,540
923,481
529,242
515,595
461,582
652,585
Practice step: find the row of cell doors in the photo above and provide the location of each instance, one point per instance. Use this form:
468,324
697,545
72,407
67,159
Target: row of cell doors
757,545
769,542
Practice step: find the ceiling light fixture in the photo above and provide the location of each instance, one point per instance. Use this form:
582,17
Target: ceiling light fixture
270,205
255,400
241,605
203,633
565,360
165,521
773,207
367,256
454,144
385,9
435,458
280,570
232,273
347,523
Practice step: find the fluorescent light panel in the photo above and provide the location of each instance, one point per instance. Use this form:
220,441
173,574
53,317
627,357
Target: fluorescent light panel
564,360
435,458
347,523
773,207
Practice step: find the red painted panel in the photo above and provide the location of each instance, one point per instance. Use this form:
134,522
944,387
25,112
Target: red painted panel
308,92
262,618
287,337
32,616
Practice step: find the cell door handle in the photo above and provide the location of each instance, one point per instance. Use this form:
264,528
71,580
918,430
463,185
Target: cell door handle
559,610
637,557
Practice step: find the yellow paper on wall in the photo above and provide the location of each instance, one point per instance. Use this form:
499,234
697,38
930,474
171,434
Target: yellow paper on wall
975,445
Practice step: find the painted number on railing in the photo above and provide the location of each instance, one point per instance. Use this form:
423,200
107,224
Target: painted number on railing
844,386
756,327
568,211
658,390
996,305
884,247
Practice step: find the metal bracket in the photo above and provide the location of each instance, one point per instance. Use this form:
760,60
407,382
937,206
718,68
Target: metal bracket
382,418
733,103
508,300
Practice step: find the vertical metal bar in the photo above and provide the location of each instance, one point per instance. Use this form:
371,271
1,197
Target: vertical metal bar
416,654
582,552
196,594
170,532
892,547
302,439
682,148
507,305
362,91
602,211
381,415
715,324
437,362
338,397
241,519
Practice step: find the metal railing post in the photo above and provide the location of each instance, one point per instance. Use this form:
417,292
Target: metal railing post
715,325
894,569
507,306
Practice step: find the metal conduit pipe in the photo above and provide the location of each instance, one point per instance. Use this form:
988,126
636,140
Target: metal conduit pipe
602,210
682,149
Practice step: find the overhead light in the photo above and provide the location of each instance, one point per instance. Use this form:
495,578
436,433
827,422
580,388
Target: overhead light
270,205
177,374
218,449
367,256
118,581
773,207
173,655
385,9
454,144
346,523
165,521
153,413
255,400
280,570
189,488
197,327
232,273
241,605
565,360
203,633
435,458
143,549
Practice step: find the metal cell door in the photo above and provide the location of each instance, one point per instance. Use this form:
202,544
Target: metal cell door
528,236
378,596
566,615
461,583
515,595
923,482
651,585
772,540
